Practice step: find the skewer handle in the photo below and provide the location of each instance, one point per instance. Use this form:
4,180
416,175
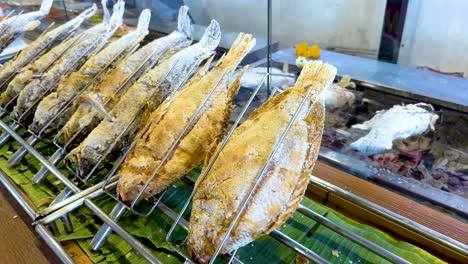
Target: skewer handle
43,171
100,238
5,136
19,154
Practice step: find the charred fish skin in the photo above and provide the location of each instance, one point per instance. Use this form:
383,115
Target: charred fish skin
16,25
50,106
97,37
43,43
209,126
152,87
84,118
396,123
220,194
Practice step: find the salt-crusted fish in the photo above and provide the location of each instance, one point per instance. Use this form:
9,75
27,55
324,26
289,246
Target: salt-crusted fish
42,44
83,117
95,39
14,26
169,121
52,104
220,195
397,123
152,87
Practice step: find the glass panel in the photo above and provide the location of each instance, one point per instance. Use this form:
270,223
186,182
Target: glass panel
364,40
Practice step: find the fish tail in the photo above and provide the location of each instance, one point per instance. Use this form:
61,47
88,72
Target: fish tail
117,15
143,21
212,36
45,6
106,14
317,74
239,49
183,22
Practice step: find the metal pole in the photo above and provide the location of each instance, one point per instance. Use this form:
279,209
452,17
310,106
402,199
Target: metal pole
10,186
394,217
41,158
62,254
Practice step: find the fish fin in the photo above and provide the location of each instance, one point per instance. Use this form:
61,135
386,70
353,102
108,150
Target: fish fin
183,22
143,21
212,36
45,6
106,12
239,49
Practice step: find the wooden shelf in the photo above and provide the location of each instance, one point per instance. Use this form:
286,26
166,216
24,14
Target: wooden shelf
397,203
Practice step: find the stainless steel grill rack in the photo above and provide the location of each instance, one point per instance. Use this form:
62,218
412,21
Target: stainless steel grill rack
76,197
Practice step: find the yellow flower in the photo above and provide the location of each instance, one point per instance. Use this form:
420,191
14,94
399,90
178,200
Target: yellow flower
302,49
314,51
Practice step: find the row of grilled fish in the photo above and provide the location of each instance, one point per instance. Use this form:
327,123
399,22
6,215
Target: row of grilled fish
12,27
117,96
114,109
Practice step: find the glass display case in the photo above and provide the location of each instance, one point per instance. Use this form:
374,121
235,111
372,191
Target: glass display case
390,183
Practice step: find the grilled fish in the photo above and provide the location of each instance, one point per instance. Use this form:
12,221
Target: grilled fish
397,123
84,117
152,87
52,104
41,64
220,194
31,71
43,43
14,26
169,121
96,38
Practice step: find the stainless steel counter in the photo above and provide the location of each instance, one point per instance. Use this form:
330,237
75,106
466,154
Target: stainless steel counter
418,84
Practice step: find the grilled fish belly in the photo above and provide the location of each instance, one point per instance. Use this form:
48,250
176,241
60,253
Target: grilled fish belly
220,194
83,118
